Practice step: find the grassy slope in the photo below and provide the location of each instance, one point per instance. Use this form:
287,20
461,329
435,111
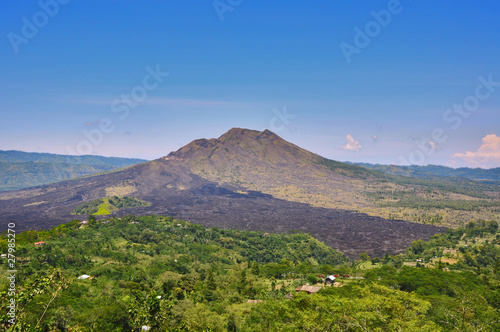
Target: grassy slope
105,206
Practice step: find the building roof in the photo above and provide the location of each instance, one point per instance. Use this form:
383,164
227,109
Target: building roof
309,289
254,301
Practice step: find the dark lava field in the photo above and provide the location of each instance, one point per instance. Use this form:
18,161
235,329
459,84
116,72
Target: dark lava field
202,202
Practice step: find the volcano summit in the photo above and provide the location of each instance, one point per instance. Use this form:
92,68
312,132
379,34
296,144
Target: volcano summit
245,179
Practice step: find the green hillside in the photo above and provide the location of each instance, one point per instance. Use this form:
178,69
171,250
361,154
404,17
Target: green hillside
121,274
436,171
25,169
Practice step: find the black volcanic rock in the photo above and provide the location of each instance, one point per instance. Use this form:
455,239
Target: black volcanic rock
187,184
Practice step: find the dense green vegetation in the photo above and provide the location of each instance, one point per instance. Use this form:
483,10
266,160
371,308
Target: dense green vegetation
410,199
103,206
24,169
133,260
175,276
458,273
455,204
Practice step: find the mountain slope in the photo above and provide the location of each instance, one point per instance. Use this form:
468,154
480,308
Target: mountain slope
230,183
436,171
262,161
28,169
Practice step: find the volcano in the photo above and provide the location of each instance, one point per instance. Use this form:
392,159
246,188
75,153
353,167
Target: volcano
245,179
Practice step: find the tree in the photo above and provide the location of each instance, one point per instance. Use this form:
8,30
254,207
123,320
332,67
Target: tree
231,323
417,247
398,261
61,318
492,226
242,283
92,219
364,256
210,281
387,258
256,268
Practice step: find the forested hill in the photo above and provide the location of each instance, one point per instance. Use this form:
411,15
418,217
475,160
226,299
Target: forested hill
20,169
123,274
436,171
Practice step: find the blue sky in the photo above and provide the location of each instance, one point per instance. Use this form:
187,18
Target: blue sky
353,81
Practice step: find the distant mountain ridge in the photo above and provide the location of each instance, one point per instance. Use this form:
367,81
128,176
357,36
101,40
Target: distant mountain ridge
245,179
20,169
433,171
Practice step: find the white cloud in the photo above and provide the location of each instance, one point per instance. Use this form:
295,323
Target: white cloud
352,144
434,145
487,156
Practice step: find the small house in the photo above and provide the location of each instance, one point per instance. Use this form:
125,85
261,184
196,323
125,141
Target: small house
254,301
330,279
39,244
308,289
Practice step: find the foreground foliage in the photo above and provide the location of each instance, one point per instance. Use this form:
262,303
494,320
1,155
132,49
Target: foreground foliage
171,275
